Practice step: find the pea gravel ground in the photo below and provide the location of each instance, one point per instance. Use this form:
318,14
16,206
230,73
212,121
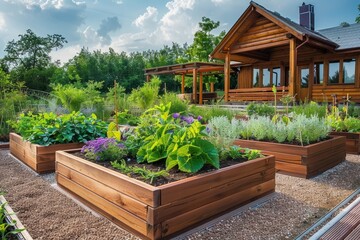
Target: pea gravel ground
295,206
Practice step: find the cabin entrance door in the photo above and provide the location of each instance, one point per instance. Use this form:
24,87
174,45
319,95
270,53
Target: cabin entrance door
304,77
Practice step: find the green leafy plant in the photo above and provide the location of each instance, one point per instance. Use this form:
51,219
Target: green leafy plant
177,105
180,141
310,109
212,111
125,117
146,96
144,173
7,228
236,152
257,109
48,128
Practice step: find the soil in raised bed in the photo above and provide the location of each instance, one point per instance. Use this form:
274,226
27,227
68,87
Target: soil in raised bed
174,174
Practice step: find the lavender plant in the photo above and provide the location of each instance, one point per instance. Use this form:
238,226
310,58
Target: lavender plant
104,149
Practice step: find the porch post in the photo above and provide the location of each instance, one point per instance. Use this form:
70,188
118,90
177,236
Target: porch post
148,78
183,83
227,76
194,85
212,87
292,67
201,89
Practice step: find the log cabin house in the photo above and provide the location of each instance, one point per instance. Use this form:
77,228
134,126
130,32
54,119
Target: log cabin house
273,50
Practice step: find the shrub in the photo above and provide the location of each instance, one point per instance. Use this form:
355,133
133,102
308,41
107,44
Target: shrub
310,109
256,109
210,112
177,105
146,96
222,131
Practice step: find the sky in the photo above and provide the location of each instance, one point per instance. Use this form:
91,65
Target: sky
138,25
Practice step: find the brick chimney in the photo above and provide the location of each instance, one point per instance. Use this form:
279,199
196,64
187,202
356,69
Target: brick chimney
307,16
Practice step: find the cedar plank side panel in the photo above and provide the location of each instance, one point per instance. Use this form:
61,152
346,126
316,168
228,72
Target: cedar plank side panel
190,203
202,197
191,218
136,189
40,158
121,200
352,141
125,217
187,187
315,158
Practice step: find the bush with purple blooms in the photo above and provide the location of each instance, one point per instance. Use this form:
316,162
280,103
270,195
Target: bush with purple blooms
104,149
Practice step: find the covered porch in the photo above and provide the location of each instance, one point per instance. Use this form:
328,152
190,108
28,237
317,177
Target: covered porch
273,50
195,70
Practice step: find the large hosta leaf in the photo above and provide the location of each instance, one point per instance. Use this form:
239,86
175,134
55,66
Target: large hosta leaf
190,158
208,149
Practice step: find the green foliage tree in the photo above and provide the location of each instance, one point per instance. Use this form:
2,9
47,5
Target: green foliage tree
204,43
358,17
28,57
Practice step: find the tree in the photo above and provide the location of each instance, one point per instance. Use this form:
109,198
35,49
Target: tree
204,40
28,59
32,51
358,17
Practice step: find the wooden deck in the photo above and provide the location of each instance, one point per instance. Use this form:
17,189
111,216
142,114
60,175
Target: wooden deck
344,226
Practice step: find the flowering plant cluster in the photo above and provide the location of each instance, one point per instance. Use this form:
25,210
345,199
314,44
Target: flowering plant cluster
104,149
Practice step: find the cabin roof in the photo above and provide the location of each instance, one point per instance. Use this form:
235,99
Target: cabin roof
295,26
336,38
346,37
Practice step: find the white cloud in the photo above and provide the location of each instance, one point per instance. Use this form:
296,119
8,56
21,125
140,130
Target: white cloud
2,22
78,2
118,1
149,16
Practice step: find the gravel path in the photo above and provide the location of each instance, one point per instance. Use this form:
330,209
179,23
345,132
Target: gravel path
296,205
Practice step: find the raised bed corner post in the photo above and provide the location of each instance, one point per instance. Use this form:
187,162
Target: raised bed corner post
227,76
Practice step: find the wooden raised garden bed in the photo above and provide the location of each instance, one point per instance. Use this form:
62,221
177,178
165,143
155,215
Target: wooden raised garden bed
302,161
4,146
40,158
11,216
164,211
352,141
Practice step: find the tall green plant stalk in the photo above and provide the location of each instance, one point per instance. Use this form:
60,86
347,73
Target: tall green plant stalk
274,90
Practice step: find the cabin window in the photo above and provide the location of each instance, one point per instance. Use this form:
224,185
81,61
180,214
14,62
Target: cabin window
256,77
304,77
349,71
318,73
266,77
276,77
334,72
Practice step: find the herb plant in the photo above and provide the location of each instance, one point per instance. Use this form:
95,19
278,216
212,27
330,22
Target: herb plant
48,128
7,228
104,149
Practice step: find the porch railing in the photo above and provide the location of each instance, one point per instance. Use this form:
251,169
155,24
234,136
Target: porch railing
256,94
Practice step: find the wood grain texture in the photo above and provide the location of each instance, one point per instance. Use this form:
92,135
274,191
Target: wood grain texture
352,141
40,158
302,161
160,212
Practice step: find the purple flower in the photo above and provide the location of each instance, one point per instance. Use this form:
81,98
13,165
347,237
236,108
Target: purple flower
199,118
208,130
176,115
97,145
189,120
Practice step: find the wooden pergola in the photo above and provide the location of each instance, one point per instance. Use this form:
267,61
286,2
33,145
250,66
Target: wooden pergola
195,69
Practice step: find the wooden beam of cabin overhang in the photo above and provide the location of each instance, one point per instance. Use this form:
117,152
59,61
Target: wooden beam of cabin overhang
259,45
257,55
